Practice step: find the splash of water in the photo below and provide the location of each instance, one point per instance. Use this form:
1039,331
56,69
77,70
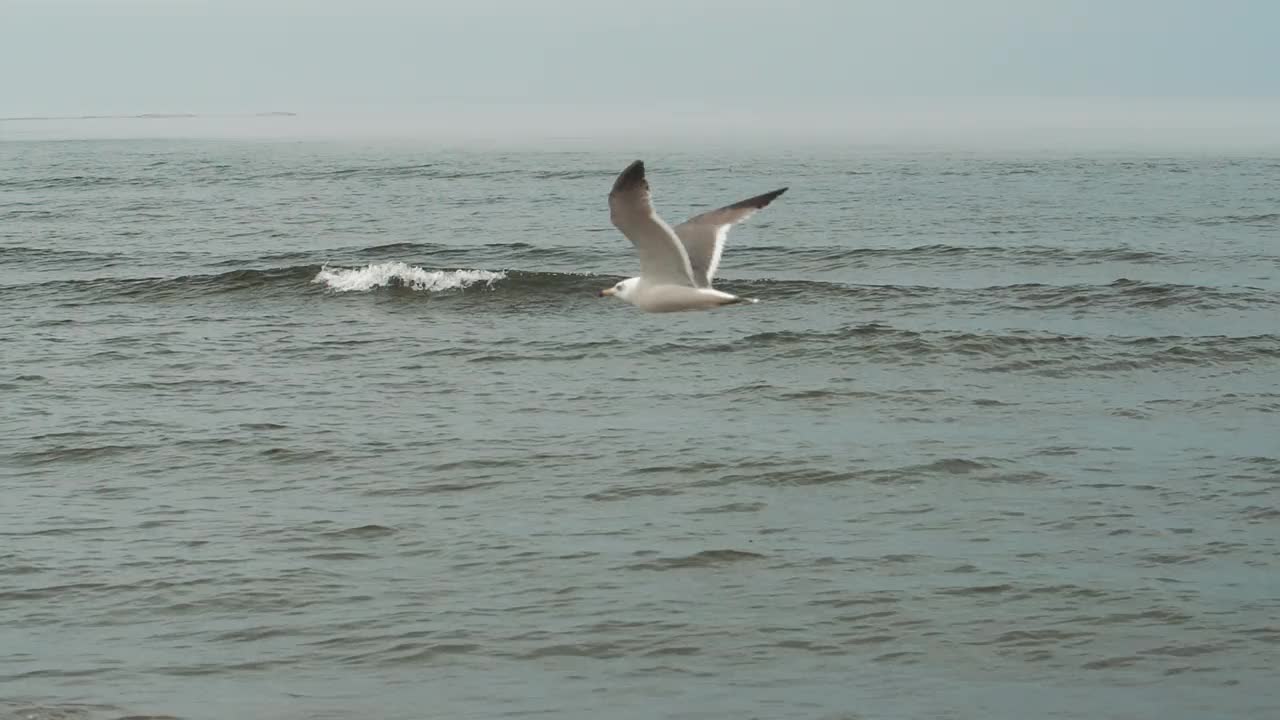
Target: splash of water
399,273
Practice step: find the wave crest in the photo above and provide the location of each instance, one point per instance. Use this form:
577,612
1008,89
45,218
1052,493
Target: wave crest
399,274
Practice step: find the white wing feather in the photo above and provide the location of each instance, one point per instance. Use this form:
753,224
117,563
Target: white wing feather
663,259
703,236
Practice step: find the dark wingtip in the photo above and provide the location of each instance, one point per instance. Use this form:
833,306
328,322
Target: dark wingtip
759,201
631,177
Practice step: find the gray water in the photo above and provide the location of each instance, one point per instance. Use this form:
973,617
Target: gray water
341,430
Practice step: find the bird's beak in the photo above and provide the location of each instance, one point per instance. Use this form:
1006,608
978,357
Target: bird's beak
605,292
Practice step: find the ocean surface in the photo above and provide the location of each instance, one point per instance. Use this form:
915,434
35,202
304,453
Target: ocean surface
339,429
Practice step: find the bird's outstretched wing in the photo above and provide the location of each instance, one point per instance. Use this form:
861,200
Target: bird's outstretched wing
703,236
663,259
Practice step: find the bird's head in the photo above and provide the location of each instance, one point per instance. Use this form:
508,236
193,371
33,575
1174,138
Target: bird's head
622,291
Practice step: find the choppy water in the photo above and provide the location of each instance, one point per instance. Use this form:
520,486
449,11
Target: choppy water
336,430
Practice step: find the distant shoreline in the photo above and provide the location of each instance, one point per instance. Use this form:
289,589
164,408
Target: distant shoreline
144,116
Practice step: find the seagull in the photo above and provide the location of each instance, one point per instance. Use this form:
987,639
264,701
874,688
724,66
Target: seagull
676,264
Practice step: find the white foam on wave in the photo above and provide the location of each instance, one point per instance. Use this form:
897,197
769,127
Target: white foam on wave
411,276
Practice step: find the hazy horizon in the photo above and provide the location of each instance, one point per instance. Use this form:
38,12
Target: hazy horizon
977,122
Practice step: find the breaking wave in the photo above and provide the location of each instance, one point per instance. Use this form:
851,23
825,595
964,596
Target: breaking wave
399,274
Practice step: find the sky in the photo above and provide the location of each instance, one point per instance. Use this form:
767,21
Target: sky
73,57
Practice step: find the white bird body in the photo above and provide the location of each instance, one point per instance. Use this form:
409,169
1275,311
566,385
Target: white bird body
676,264
660,297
